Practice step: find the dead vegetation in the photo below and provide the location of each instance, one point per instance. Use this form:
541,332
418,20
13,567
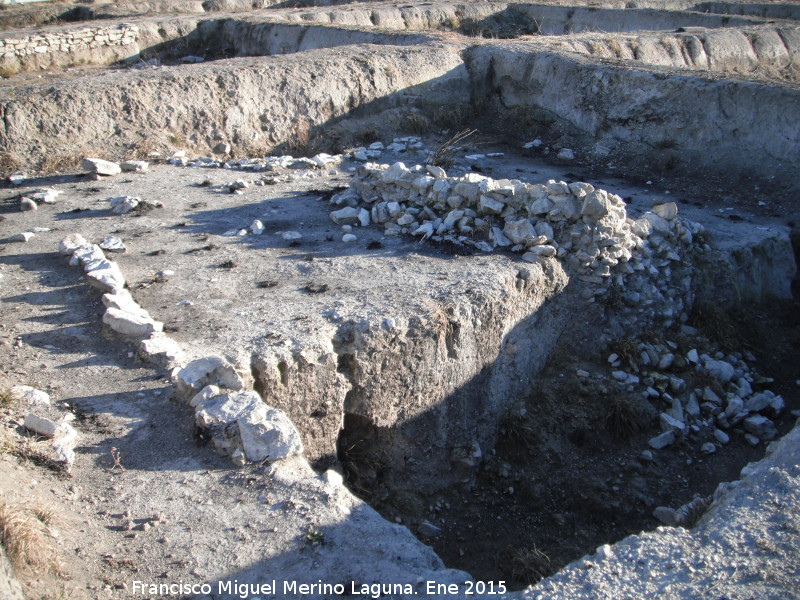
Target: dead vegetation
622,419
7,398
445,153
34,451
26,540
9,163
627,350
527,565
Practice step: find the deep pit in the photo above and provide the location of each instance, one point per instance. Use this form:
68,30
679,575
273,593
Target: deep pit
502,408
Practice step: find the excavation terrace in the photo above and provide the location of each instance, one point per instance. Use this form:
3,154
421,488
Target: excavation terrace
430,296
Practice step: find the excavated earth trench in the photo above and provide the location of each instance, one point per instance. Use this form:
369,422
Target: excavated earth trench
501,408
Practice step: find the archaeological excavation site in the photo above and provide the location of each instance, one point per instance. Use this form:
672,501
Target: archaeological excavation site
321,299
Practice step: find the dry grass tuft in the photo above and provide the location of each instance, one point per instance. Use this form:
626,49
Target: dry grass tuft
62,162
144,147
303,141
26,541
622,419
9,163
416,124
7,398
446,152
628,351
8,70
45,513
615,46
597,48
34,451
528,565
453,117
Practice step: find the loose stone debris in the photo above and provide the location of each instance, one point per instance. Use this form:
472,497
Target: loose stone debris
101,167
587,227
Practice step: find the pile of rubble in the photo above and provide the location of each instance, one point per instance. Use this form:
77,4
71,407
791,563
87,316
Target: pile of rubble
727,396
589,229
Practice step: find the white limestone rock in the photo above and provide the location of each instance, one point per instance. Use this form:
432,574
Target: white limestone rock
499,238
719,369
25,236
708,448
721,436
130,324
113,244
31,395
86,254
210,370
580,190
761,427
134,166
204,395
758,402
101,167
161,350
425,230
534,253
44,426
105,275
218,416
64,436
122,300
27,204
670,423
323,160
656,224
668,210
346,216
519,231
663,440
566,154
46,196
396,173
541,206
665,514
267,433
257,227
123,204
596,205
544,229
71,243
490,206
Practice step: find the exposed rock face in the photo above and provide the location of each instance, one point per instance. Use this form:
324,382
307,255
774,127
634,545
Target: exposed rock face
321,84
595,112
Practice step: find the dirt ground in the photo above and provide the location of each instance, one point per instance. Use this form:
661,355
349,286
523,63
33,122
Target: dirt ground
558,482
148,499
